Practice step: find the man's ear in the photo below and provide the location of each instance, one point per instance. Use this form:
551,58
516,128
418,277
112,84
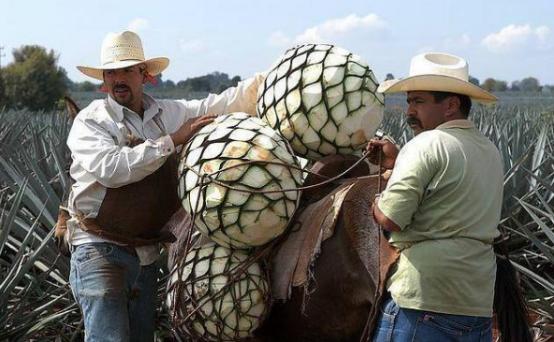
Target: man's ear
452,106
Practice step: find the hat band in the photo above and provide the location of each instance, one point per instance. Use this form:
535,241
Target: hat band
117,54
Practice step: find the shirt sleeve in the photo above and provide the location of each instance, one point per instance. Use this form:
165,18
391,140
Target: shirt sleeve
241,98
94,149
414,169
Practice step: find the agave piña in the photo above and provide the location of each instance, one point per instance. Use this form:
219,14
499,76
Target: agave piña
217,297
234,151
323,99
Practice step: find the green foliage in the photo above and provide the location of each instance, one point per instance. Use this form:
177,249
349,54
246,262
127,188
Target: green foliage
34,80
3,101
473,80
490,84
530,84
87,86
215,82
35,298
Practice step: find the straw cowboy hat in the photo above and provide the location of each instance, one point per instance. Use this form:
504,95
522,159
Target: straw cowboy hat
436,71
122,50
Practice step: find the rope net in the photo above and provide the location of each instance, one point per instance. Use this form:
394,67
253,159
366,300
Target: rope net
232,174
322,99
217,294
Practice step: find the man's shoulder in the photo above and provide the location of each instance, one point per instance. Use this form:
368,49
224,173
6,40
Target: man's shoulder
96,111
424,141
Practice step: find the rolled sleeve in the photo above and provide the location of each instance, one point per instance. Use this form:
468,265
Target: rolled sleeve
167,147
406,187
95,150
241,98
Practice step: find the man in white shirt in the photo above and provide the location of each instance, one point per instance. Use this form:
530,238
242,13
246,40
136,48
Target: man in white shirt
124,167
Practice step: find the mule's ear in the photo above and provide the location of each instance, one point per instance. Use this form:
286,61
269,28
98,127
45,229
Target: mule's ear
71,106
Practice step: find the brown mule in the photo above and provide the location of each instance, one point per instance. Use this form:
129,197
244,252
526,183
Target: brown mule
348,277
341,301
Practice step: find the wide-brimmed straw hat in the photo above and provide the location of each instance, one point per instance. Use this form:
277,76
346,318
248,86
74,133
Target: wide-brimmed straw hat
122,50
437,71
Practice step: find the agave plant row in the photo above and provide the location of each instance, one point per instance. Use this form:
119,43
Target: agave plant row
36,300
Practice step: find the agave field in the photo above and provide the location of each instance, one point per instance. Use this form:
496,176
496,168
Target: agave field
36,301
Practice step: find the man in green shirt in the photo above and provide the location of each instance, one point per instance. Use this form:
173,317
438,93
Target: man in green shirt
442,206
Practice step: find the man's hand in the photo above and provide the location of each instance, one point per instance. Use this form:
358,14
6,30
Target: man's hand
190,127
386,149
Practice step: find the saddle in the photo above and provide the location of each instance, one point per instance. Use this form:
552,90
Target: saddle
348,197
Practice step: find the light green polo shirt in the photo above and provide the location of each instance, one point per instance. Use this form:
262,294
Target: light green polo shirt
445,193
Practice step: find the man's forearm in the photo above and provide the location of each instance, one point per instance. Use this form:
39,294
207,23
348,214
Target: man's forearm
384,221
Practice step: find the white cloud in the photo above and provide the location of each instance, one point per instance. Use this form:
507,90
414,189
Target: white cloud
332,29
543,35
454,43
341,26
192,46
513,37
279,39
138,24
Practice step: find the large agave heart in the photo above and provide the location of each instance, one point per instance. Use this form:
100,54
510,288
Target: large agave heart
323,99
244,153
221,304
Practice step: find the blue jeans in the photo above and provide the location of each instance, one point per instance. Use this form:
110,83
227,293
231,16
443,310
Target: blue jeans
117,296
399,325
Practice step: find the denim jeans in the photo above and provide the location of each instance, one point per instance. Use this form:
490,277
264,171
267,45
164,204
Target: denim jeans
117,296
399,325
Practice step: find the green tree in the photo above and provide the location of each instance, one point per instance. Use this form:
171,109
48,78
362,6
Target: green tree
87,86
3,101
500,86
169,84
473,80
389,77
489,84
530,84
34,80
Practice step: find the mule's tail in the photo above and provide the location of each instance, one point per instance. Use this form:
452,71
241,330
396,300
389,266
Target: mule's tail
509,304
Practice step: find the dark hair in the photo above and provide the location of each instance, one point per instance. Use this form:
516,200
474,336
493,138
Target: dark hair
465,101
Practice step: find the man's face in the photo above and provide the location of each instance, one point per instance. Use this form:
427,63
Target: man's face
126,86
423,113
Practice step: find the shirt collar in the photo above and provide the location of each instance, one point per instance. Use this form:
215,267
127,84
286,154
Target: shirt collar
460,123
150,104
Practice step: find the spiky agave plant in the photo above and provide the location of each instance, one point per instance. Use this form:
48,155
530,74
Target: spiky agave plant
35,298
322,99
233,173
217,294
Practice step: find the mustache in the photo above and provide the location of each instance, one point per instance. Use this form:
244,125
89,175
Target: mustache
121,87
413,121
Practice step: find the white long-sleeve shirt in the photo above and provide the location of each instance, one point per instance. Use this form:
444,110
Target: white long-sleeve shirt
102,159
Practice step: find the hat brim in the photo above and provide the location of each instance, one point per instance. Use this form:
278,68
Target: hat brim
154,66
437,83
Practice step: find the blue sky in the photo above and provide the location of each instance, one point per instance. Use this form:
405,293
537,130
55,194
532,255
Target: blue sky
507,40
